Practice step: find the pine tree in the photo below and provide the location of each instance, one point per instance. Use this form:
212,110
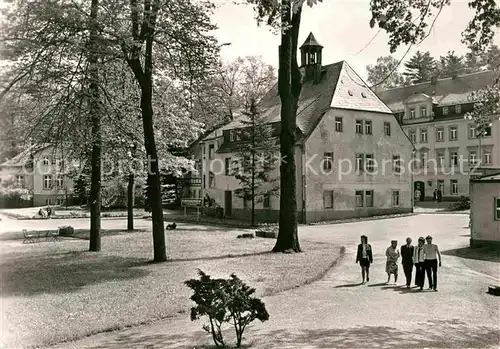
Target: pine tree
421,67
256,158
451,65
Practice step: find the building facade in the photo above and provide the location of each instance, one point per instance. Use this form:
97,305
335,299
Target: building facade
485,210
448,148
41,169
350,155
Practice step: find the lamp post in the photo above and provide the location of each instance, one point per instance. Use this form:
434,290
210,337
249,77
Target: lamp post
130,189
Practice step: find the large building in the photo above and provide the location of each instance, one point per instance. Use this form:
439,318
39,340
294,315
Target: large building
42,170
350,152
448,149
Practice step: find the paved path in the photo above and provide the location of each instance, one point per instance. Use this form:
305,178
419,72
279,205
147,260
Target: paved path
337,312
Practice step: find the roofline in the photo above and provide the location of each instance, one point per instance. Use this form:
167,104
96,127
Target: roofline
442,79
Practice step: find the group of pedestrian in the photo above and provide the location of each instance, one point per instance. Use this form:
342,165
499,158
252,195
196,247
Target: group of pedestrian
425,257
437,195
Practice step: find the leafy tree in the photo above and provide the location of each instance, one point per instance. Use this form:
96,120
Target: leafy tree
255,159
384,73
230,88
472,62
421,67
451,65
491,58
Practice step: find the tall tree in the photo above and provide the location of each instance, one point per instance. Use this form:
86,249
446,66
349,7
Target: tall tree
255,159
421,67
451,65
491,58
384,73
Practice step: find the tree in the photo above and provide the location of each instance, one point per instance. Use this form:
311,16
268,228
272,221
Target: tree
385,71
230,89
421,67
451,65
472,62
491,58
255,159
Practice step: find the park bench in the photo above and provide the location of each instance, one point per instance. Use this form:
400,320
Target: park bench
29,238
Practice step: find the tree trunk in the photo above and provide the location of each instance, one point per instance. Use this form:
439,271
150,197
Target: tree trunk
253,170
130,202
95,184
289,87
159,248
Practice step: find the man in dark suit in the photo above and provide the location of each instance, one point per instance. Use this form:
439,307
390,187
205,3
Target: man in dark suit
365,257
407,260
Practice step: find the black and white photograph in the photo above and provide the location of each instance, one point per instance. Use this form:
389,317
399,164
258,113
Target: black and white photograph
204,174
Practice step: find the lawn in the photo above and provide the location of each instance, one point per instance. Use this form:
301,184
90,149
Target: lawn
53,292
65,212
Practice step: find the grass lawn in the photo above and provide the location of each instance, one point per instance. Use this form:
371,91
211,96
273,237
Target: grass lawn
53,292
63,212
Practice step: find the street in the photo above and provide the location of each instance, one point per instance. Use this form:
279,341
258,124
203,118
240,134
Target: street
338,312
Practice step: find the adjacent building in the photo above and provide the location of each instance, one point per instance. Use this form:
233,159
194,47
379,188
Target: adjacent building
485,210
41,169
351,153
447,145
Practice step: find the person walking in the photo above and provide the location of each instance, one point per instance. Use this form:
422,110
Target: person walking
391,266
419,261
431,253
407,260
435,195
365,257
439,195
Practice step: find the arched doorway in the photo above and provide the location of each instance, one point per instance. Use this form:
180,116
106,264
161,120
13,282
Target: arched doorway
420,186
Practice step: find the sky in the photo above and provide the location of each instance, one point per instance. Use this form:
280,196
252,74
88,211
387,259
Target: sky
342,27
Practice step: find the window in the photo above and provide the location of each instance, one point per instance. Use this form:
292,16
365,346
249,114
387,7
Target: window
440,134
359,162
412,113
328,161
339,125
413,136
453,186
423,112
369,198
445,110
440,158
246,203
487,131
267,200
453,133
458,109
454,158
441,185
59,201
423,135
395,198
472,131
59,182
472,157
368,127
359,126
423,160
369,162
396,164
497,209
487,158
54,161
20,180
359,198
47,182
227,167
45,161
387,128
211,151
328,199
231,136
237,135
211,180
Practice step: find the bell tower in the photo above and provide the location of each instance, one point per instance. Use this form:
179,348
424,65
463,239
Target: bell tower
311,60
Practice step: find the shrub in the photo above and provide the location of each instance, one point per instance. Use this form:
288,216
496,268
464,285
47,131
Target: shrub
66,230
269,227
463,203
225,301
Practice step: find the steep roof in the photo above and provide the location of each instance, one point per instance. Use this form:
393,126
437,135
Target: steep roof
21,158
447,91
338,87
310,41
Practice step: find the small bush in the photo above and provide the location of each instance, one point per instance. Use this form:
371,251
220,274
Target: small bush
463,203
66,230
225,301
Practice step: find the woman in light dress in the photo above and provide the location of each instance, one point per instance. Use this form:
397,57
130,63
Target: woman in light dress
391,267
